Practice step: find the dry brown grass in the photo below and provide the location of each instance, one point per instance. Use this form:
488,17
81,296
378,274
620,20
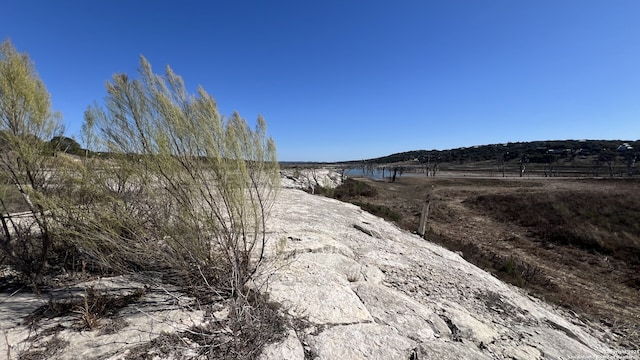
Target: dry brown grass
89,309
605,223
45,351
251,324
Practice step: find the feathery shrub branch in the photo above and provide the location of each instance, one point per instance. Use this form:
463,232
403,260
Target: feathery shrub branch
202,184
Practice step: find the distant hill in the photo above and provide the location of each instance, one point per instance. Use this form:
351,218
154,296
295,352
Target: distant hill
532,152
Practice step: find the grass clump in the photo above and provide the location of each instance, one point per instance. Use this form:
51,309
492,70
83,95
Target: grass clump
249,326
90,308
352,188
593,221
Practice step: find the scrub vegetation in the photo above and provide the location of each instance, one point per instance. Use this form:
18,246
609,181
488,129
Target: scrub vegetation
164,183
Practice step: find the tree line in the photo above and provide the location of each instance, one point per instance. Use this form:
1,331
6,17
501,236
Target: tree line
534,151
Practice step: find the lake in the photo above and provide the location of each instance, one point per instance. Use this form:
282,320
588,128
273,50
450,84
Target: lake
376,174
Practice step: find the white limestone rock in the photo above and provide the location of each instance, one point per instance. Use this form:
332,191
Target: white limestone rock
360,341
392,308
316,286
290,348
420,299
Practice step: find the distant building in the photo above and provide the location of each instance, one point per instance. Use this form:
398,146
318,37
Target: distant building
625,147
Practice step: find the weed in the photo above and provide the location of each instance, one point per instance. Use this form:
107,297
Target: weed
512,273
252,323
44,351
91,307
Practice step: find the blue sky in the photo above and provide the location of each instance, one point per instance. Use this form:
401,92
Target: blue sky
356,79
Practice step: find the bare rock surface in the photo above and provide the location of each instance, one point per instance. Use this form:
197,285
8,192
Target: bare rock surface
309,178
289,348
316,286
360,341
372,291
158,308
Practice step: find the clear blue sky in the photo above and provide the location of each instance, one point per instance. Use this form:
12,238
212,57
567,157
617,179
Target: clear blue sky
355,79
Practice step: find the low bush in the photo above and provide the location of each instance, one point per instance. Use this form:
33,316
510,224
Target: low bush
352,188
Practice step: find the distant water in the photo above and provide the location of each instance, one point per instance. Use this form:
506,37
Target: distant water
376,174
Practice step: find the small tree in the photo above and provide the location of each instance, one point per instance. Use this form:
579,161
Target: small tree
609,157
202,185
26,123
630,160
65,145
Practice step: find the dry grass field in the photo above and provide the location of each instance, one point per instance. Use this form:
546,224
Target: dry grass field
571,242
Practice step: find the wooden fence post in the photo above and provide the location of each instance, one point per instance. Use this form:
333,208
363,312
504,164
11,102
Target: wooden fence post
423,217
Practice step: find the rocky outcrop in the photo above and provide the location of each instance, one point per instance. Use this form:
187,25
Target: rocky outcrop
31,329
372,291
309,178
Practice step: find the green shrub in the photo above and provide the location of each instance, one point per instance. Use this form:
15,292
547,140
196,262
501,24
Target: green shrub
351,188
190,187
